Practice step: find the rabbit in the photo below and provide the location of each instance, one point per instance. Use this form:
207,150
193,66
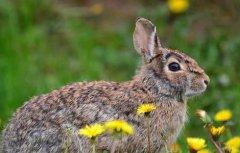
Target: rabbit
167,78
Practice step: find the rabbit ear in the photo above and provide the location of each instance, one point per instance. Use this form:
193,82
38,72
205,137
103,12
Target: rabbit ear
145,39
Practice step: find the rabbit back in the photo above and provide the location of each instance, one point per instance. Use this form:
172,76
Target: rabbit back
41,124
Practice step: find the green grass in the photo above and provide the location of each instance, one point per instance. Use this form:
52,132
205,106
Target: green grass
42,49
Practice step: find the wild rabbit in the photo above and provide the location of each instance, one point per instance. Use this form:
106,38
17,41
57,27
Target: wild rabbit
167,78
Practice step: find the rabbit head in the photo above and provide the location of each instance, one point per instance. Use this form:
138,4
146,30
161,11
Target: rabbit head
165,71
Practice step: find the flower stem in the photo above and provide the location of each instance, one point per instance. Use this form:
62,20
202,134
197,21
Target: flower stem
113,148
94,148
148,135
166,148
228,131
215,143
93,142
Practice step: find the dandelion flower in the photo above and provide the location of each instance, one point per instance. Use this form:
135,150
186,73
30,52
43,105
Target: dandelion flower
217,131
92,131
232,150
204,151
233,144
119,126
223,115
145,109
196,143
178,6
97,9
175,148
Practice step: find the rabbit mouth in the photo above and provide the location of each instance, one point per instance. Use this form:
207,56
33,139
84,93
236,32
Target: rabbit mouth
189,95
194,93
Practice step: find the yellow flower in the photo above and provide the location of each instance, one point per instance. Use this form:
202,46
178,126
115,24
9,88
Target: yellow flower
175,148
97,8
196,143
204,151
92,131
217,131
233,144
223,115
178,6
232,150
119,126
145,109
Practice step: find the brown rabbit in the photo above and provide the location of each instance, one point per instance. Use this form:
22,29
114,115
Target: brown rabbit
167,78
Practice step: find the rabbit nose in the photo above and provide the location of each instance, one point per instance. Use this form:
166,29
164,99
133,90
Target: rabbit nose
206,82
206,79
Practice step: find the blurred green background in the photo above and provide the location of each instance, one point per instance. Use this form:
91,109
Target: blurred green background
46,44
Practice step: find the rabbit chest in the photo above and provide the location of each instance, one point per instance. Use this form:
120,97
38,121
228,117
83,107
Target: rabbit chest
167,121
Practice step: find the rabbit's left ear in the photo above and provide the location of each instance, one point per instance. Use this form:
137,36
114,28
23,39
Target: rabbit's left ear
145,39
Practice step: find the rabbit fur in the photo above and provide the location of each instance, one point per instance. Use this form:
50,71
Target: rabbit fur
40,125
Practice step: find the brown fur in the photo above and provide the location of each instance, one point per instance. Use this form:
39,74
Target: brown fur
40,125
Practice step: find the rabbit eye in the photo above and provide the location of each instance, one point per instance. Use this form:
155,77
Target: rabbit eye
174,67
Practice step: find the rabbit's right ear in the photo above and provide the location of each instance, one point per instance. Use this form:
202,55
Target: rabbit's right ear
145,39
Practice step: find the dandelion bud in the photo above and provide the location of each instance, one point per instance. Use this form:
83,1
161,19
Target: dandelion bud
203,116
201,113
